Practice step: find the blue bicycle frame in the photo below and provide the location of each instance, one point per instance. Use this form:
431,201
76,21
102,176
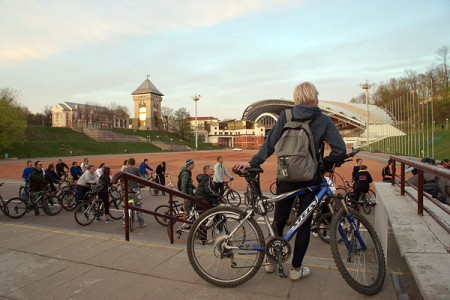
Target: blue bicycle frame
324,190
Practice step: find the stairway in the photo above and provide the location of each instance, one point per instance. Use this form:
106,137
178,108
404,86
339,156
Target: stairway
171,147
109,136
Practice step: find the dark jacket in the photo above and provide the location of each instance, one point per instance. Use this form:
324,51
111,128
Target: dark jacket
363,180
102,186
60,167
187,185
37,181
205,189
355,172
321,126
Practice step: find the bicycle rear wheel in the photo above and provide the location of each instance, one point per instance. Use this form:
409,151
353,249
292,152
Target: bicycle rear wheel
15,208
323,226
54,205
116,208
84,213
360,262
233,198
207,253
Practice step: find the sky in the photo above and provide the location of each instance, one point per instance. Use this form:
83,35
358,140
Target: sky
231,52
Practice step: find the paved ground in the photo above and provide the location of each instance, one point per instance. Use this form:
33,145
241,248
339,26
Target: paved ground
55,258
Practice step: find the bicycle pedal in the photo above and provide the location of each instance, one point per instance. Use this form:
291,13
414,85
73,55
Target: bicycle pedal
280,271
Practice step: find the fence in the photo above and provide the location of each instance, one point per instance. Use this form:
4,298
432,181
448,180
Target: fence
171,192
421,168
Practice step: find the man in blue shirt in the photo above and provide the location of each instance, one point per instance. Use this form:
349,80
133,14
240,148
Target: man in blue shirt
143,167
27,172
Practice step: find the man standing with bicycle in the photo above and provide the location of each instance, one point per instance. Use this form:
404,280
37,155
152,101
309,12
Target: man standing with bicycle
37,185
133,188
323,129
219,173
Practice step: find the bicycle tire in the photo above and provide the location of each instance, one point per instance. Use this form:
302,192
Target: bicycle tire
273,188
220,261
84,213
164,210
54,205
116,208
323,226
131,220
233,198
348,263
367,204
15,208
69,200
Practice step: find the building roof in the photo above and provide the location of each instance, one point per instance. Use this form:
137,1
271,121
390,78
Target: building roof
147,87
348,112
203,118
75,106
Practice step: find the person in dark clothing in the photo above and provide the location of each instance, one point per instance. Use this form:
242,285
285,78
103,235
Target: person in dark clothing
323,129
205,189
356,168
102,189
51,177
161,174
187,185
61,168
363,180
75,171
387,171
37,185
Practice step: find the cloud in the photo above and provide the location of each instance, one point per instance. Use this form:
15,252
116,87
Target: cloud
39,29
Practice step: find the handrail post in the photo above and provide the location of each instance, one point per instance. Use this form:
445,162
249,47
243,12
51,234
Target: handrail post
402,179
126,212
171,213
393,173
420,193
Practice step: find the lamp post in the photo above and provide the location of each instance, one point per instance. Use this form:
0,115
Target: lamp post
196,98
366,86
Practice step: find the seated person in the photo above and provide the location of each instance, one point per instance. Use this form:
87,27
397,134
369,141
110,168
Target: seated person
363,179
386,172
205,189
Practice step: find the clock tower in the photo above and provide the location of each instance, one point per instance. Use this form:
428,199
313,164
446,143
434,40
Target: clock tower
147,106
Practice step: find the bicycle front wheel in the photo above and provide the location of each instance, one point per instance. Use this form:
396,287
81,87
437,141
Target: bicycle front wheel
209,243
359,258
15,208
116,208
84,213
273,188
233,198
164,210
69,200
367,203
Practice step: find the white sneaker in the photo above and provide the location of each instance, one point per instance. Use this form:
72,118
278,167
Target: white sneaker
296,275
269,267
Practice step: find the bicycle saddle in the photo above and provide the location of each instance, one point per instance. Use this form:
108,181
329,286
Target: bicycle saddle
247,171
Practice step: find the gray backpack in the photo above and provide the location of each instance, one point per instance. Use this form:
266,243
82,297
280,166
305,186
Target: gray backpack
297,156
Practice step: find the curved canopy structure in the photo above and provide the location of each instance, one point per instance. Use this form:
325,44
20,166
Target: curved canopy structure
266,112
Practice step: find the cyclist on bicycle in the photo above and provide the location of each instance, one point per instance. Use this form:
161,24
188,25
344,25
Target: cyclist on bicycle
161,174
143,167
323,129
219,173
205,189
37,185
133,188
61,168
102,190
51,177
85,182
363,179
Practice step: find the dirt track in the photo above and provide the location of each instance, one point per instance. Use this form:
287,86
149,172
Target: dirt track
12,169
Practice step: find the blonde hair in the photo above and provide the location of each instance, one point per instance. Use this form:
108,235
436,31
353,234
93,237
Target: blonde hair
305,93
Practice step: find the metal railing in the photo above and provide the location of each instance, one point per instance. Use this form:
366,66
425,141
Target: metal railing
421,168
172,217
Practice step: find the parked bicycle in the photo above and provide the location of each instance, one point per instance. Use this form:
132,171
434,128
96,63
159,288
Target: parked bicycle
239,245
155,192
18,207
231,196
93,207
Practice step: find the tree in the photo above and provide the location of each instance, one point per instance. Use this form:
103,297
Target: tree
168,118
13,121
182,124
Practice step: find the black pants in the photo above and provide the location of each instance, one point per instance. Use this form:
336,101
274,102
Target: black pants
161,179
105,197
81,192
218,186
282,211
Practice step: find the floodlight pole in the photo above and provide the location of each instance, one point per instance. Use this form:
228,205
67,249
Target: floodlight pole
196,98
366,86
